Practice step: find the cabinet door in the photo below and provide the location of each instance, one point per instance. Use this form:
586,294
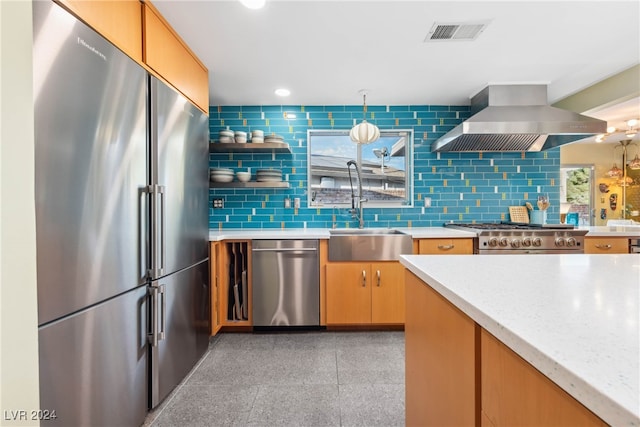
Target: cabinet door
515,393
440,359
166,54
348,293
387,293
606,245
445,246
120,22
214,256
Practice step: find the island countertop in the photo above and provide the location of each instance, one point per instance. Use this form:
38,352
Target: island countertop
575,318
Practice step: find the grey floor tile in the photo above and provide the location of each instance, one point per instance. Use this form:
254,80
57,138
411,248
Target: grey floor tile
371,365
292,379
305,405
306,341
244,341
366,339
372,405
259,367
208,406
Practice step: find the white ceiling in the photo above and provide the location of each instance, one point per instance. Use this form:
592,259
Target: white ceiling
326,51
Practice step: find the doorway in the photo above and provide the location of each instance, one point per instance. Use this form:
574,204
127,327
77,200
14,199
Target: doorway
577,192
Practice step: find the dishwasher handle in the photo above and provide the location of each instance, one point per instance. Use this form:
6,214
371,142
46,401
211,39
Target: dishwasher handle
285,250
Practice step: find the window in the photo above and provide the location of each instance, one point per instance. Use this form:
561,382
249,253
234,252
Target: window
385,165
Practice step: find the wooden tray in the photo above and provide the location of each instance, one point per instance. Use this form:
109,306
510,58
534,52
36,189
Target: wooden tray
519,214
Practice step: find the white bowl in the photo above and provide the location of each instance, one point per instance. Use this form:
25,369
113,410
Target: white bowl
243,176
221,178
226,139
257,133
241,139
257,140
240,133
227,132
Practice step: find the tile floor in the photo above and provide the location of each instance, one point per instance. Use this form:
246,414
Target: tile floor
292,379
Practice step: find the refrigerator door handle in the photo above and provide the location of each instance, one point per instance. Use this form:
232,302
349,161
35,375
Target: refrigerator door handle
153,335
163,312
163,251
158,250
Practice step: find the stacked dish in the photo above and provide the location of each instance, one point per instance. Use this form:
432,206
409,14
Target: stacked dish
274,138
226,136
221,175
257,136
240,137
268,175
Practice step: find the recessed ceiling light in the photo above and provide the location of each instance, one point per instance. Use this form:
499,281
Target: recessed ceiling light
283,92
253,4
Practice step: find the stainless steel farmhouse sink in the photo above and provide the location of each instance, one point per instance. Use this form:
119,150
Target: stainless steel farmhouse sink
368,244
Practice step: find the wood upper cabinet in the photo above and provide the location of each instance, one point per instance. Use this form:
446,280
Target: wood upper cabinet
167,55
364,293
515,393
120,22
445,246
606,245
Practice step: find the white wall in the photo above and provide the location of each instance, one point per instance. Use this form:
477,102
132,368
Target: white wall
18,291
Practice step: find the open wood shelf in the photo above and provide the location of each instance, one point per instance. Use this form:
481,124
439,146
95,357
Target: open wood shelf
271,147
250,184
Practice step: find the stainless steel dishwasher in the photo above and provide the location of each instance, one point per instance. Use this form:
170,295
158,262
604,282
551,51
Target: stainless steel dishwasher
286,283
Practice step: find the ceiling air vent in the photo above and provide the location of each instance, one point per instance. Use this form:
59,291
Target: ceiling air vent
455,31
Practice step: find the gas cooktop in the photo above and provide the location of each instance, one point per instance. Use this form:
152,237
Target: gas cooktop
513,237
509,226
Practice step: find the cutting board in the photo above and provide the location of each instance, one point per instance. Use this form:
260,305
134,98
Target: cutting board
519,214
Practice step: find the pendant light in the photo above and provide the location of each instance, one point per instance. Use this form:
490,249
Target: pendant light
635,163
365,132
614,172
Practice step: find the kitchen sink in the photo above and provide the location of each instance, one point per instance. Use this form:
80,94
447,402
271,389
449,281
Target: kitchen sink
368,244
364,232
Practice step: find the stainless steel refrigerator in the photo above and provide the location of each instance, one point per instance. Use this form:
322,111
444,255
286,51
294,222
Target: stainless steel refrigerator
121,222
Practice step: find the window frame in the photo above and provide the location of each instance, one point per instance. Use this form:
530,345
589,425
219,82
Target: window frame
314,181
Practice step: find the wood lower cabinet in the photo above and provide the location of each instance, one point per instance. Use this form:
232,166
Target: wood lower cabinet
120,21
364,293
166,54
458,374
444,246
606,245
515,393
440,354
215,278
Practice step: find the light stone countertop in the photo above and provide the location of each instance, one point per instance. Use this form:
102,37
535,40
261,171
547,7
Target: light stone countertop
573,317
417,233
323,233
613,231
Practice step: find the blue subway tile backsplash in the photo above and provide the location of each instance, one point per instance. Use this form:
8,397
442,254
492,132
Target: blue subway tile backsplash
462,187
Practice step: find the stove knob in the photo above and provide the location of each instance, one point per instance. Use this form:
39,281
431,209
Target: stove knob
504,241
560,241
571,241
493,241
526,242
537,241
515,243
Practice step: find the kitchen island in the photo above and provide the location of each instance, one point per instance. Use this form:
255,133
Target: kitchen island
571,319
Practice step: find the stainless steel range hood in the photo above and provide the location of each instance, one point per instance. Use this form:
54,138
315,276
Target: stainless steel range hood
517,118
